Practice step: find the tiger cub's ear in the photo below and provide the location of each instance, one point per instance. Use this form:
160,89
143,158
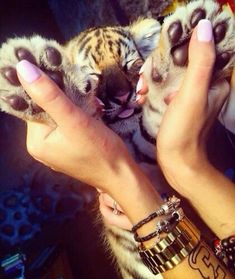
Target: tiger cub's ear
145,33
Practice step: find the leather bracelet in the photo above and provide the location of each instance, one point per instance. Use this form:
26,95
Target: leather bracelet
165,209
171,250
147,237
164,225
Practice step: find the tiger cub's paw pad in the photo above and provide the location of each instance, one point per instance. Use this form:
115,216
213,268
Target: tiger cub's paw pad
47,55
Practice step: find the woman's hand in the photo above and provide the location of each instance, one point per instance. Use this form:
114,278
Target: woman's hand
191,112
79,146
84,147
181,141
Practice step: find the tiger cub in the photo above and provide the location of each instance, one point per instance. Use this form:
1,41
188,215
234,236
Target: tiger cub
104,63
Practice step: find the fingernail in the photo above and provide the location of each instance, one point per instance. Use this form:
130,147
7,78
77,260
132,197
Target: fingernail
204,31
28,71
99,191
139,85
138,97
169,98
141,70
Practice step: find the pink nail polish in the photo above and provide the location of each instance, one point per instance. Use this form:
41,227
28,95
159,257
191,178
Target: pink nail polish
204,31
28,71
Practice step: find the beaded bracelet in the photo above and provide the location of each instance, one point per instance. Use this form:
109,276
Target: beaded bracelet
167,208
225,251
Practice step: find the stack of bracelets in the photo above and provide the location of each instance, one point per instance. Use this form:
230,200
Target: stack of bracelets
175,237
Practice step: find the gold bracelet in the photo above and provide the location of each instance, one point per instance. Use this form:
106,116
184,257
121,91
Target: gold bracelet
171,250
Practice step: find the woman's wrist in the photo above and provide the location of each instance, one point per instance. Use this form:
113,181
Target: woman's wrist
133,191
205,187
179,169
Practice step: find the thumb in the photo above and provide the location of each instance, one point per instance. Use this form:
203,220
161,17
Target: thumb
200,67
48,95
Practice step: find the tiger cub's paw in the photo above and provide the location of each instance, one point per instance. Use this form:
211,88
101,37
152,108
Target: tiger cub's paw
50,57
176,33
165,68
47,55
178,30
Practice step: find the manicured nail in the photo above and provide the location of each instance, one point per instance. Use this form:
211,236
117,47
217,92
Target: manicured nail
170,97
139,85
28,71
141,70
138,97
99,191
204,31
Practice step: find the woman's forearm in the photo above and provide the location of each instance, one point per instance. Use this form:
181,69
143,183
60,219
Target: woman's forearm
135,194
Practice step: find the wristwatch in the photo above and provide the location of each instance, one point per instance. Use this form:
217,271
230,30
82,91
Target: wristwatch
172,249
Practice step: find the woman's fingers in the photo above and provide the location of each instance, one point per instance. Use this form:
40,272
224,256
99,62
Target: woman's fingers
141,90
51,98
110,202
170,97
106,208
141,87
200,67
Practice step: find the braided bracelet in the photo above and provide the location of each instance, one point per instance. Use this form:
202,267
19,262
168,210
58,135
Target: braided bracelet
165,225
167,208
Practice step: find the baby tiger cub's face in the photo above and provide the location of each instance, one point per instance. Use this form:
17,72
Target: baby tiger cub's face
109,59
